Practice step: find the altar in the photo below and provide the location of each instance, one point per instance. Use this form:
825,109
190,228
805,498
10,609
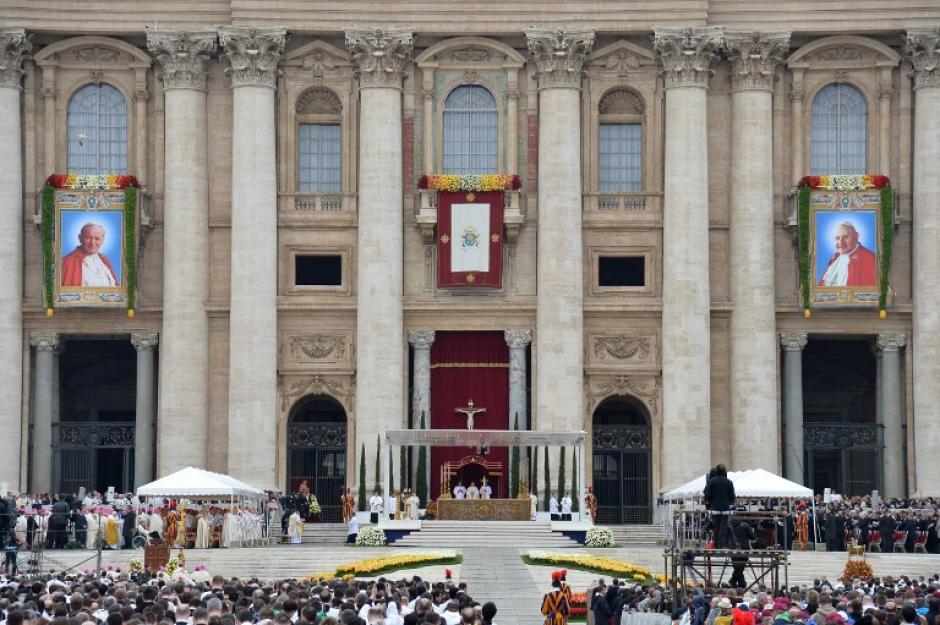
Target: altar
484,509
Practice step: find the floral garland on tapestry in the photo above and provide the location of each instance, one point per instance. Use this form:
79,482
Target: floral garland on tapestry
872,182
478,183
78,182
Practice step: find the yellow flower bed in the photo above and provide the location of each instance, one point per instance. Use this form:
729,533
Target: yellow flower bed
590,563
385,564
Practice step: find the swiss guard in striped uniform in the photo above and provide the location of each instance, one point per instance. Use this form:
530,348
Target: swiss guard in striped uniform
565,588
555,604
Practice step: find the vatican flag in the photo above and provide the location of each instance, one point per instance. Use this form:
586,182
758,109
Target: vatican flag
470,237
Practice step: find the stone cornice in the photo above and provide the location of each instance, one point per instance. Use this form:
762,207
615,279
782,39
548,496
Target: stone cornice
421,339
559,56
145,340
754,58
686,54
793,341
183,56
253,54
14,45
380,55
44,341
922,49
890,342
518,338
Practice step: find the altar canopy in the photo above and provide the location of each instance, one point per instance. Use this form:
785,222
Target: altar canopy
470,366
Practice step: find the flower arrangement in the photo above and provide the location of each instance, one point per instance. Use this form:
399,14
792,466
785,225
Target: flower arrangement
172,565
470,182
845,183
314,506
599,536
136,565
376,566
370,537
85,181
594,564
578,607
857,569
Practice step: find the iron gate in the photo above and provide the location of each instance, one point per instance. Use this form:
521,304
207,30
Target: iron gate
317,452
78,448
622,474
854,455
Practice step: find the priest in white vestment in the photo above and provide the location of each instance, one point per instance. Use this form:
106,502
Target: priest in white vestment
295,528
459,491
472,491
414,507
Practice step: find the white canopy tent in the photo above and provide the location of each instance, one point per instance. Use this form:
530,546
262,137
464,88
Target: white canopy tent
194,482
751,483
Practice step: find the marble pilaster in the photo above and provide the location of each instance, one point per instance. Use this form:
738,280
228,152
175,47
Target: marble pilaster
686,56
184,389
46,345
14,45
923,50
144,343
380,57
891,412
793,344
559,57
754,59
253,55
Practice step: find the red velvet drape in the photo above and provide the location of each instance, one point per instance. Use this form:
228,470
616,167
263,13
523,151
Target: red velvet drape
464,366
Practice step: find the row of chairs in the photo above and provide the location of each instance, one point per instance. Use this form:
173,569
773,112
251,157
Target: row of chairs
899,537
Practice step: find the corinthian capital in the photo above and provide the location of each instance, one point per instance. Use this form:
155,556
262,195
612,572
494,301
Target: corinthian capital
923,50
421,339
183,56
380,55
754,58
253,54
14,44
890,342
517,338
44,341
687,54
559,56
143,341
793,341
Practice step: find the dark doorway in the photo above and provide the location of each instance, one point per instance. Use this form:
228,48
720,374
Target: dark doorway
93,438
622,466
316,451
842,441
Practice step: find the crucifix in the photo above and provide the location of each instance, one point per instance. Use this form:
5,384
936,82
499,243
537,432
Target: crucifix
469,410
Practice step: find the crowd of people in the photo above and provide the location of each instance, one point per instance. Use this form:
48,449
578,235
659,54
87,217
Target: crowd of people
122,599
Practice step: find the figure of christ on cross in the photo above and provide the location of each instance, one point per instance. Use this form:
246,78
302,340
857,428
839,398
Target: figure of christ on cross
470,411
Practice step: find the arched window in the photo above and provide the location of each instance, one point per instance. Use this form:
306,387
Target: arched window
471,142
97,123
840,131
620,142
319,141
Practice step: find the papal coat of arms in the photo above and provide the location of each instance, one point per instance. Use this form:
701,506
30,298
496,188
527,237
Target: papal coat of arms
471,237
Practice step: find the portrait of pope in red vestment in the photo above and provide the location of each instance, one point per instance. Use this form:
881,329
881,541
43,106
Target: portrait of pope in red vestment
852,264
86,265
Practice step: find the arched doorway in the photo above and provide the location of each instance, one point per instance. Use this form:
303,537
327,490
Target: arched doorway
622,466
316,451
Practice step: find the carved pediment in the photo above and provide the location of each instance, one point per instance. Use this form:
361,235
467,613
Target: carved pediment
646,388
93,51
844,51
471,55
319,101
319,58
461,51
622,58
340,387
621,102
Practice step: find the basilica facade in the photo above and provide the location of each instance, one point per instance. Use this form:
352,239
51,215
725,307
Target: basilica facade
307,174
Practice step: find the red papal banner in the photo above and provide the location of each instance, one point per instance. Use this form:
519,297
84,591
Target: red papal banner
470,239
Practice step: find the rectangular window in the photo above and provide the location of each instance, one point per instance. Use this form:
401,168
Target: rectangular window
621,271
319,158
325,270
621,158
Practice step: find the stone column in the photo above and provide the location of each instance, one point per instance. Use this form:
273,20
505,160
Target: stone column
891,409
40,465
793,344
686,56
253,55
754,59
144,343
923,50
421,340
380,57
517,340
559,385
14,44
184,355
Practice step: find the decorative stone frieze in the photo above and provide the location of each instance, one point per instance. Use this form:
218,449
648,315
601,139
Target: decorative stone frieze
318,347
923,50
687,54
339,387
380,55
621,348
253,54
754,58
183,56
14,45
559,56
143,341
